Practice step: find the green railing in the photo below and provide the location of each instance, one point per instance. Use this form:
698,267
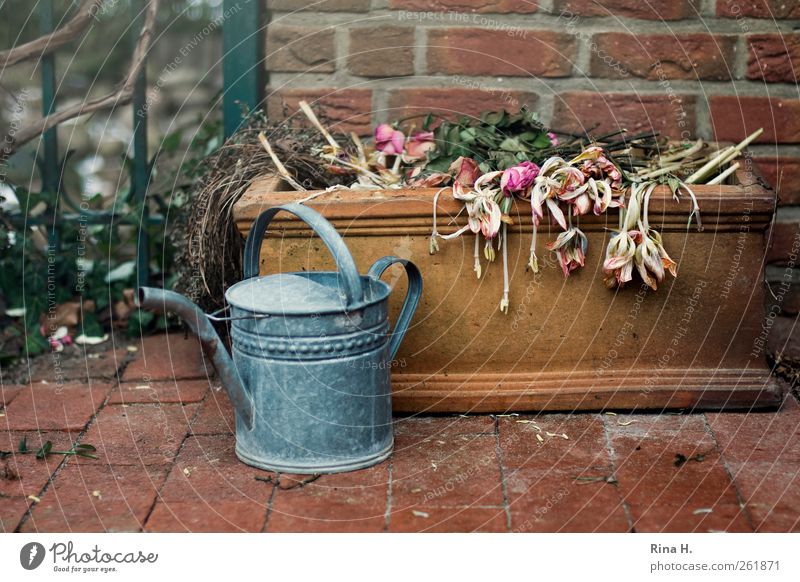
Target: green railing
243,90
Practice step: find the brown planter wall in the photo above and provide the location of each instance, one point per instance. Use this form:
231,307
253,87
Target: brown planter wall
576,62
565,344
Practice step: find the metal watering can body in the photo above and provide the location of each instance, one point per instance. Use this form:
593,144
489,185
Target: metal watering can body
312,356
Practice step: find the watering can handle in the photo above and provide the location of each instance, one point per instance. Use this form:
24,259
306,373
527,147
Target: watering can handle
348,272
412,297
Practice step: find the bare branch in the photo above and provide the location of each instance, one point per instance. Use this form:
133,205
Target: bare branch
58,38
120,96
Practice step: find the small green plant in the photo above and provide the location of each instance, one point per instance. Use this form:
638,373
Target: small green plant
82,450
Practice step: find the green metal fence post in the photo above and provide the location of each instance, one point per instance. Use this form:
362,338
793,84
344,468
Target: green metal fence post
51,171
141,168
243,69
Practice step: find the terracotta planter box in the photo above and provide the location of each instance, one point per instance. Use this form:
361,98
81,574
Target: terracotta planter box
566,344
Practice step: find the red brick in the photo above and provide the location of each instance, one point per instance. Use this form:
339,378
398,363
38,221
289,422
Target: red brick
448,520
381,51
346,502
207,470
555,501
734,118
584,447
214,517
141,434
664,497
216,416
300,49
444,426
343,110
661,56
26,475
53,407
672,10
97,498
759,437
762,453
446,471
473,6
515,53
76,365
580,111
169,392
776,9
784,235
320,6
775,58
455,102
783,174
11,511
7,394
167,357
771,493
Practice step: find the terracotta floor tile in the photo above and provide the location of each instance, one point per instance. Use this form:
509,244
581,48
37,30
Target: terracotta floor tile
557,501
346,502
54,407
97,498
207,471
164,392
221,516
139,434
423,519
446,471
167,357
216,415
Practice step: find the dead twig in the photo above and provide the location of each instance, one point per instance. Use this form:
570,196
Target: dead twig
120,96
48,43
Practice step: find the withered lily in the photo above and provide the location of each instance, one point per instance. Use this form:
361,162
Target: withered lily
570,248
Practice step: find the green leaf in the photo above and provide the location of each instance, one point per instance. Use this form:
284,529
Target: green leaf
23,445
426,123
86,447
45,450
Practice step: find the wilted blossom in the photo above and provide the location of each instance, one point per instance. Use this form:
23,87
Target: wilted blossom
519,179
418,146
556,180
652,260
618,266
58,339
553,139
465,172
570,248
417,178
596,165
388,140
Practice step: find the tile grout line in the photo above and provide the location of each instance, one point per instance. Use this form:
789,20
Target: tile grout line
270,502
175,459
390,482
82,433
503,486
612,459
742,505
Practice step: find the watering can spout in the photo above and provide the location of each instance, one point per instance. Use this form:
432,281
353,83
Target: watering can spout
162,301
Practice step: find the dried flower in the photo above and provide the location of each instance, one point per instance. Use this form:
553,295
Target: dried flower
465,172
388,140
418,146
553,139
570,248
519,179
618,266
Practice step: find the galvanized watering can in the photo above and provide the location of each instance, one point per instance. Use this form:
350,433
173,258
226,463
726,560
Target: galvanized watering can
312,356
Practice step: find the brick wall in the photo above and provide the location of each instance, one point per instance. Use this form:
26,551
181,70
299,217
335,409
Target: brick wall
716,69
